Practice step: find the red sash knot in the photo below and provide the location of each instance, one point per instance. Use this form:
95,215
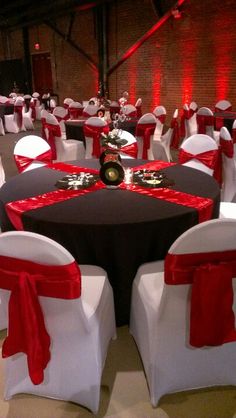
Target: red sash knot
26,330
212,321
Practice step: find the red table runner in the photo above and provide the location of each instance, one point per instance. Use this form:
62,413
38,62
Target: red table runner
16,209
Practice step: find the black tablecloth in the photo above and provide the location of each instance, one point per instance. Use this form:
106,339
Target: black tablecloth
74,129
6,109
115,229
224,119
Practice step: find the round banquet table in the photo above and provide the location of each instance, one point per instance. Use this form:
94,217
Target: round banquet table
74,128
115,229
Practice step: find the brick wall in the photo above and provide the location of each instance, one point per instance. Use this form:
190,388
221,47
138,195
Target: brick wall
191,58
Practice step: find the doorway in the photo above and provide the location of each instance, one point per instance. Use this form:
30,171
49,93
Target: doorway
42,73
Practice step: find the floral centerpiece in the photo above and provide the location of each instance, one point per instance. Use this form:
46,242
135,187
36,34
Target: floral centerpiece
113,139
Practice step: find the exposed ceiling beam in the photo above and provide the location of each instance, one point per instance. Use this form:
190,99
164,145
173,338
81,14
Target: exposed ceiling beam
141,40
90,61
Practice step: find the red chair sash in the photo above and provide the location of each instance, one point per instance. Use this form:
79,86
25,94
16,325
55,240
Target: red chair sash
26,330
207,158
145,130
161,118
203,121
23,162
19,118
175,135
33,107
53,131
234,135
95,133
132,114
139,111
75,112
212,321
226,147
186,115
131,149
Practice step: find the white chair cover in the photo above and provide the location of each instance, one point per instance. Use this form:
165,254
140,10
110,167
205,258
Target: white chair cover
2,172
223,106
197,144
149,120
228,168
159,320
93,122
66,150
15,123
80,329
166,139
31,147
209,125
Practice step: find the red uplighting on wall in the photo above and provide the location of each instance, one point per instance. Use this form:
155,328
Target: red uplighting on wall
156,81
188,70
132,76
224,55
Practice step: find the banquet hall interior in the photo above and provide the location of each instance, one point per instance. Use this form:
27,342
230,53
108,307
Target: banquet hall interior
173,63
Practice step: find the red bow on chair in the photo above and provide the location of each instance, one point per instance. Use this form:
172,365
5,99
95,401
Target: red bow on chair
145,130
53,131
207,158
33,107
203,121
212,319
227,148
95,132
23,162
175,136
186,115
26,330
18,111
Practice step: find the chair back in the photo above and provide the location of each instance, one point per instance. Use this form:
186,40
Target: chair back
192,153
205,121
160,113
138,106
228,166
223,106
31,152
90,110
75,110
171,138
18,112
145,129
4,99
93,128
2,173
66,102
130,149
130,111
61,114
53,133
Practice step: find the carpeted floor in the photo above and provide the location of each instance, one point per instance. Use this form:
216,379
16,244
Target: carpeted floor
124,392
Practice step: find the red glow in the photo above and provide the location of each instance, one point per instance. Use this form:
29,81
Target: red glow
224,56
37,46
156,82
132,75
188,71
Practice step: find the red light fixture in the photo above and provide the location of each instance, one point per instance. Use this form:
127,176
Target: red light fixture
176,13
37,46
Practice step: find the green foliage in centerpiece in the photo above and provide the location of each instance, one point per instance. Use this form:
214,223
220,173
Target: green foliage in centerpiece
113,139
